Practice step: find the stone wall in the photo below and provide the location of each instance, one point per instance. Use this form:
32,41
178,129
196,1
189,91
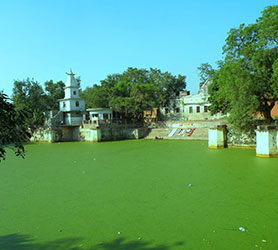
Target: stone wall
114,134
63,134
266,139
40,134
239,139
56,134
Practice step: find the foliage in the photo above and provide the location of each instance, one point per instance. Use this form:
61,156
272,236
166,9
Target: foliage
247,82
95,96
13,130
205,72
134,91
54,92
28,96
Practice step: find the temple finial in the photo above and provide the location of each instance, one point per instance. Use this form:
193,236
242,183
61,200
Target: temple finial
70,73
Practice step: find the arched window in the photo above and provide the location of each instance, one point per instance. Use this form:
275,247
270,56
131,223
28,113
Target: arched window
77,103
64,104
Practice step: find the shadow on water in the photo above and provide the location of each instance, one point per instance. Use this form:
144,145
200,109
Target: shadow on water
25,242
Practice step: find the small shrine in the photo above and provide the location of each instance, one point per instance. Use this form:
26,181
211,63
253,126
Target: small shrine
100,115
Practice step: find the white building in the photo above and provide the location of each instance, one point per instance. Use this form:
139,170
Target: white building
195,107
100,115
72,106
190,107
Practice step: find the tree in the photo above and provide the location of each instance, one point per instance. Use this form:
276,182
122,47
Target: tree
247,81
54,92
205,72
13,129
95,96
134,91
29,97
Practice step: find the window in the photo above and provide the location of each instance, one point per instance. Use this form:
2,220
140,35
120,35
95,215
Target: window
190,110
74,92
205,108
105,116
198,109
166,111
77,103
64,104
177,110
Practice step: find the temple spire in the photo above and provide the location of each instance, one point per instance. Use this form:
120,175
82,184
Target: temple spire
70,72
71,81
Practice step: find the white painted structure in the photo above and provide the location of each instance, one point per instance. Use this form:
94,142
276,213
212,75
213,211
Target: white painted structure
191,107
100,115
72,106
267,141
195,107
217,137
92,134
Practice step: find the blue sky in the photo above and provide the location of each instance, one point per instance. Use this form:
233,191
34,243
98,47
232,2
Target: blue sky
44,39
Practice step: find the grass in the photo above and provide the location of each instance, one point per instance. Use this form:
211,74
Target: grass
135,195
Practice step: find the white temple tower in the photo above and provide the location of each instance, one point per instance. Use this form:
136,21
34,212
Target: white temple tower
72,106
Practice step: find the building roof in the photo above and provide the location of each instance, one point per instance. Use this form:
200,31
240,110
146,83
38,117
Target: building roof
99,109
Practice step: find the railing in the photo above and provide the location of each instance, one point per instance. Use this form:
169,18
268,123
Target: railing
111,124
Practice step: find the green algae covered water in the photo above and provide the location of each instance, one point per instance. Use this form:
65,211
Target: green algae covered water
138,195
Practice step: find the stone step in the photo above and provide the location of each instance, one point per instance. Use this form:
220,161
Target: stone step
199,133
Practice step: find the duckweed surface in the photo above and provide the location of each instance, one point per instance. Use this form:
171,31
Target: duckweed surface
138,195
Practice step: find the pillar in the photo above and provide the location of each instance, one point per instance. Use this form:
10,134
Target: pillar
217,137
267,141
51,136
95,135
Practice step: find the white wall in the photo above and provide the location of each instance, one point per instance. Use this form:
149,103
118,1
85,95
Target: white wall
71,105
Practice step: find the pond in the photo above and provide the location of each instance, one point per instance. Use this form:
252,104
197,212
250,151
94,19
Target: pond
139,195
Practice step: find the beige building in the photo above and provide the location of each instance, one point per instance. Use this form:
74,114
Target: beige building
190,107
195,107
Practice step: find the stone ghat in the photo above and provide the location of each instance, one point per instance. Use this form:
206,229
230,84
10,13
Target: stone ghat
178,133
186,130
194,130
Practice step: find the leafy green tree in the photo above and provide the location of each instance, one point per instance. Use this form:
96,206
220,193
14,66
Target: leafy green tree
247,81
134,91
205,72
29,97
13,129
54,92
95,96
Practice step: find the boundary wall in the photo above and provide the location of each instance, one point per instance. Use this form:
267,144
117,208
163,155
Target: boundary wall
64,134
266,140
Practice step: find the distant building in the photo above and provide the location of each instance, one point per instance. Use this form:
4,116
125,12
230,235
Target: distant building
190,107
274,111
195,107
151,115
